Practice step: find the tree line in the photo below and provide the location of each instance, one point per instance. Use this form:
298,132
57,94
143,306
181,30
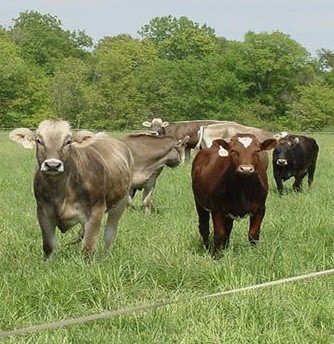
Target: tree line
176,70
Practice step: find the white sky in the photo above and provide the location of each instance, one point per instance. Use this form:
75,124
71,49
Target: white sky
309,22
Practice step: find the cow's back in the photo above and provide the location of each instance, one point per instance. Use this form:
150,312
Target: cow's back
180,129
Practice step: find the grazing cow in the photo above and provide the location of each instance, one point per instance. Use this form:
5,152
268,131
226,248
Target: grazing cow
179,130
79,177
294,156
228,129
229,181
151,154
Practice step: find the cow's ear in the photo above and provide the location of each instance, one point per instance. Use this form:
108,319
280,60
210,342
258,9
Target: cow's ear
23,136
165,124
83,138
221,143
268,144
147,124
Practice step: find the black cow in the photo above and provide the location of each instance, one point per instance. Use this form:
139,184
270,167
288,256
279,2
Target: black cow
294,156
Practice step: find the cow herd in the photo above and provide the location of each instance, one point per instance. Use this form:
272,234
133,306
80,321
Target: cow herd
82,175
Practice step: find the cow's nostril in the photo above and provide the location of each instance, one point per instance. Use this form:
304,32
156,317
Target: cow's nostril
52,165
246,169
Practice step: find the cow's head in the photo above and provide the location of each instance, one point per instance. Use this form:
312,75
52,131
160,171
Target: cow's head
283,150
177,155
53,141
243,151
156,125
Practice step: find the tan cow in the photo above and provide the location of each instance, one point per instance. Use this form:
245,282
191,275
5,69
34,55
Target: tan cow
227,129
179,130
79,177
151,154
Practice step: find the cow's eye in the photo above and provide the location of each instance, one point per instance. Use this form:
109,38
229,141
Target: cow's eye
39,142
68,142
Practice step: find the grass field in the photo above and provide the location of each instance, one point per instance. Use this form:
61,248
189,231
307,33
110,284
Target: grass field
161,257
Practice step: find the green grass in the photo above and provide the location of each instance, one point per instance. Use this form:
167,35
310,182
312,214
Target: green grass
161,257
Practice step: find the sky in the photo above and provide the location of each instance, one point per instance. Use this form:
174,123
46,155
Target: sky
309,22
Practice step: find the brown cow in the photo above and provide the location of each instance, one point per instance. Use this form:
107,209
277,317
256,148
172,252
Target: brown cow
229,181
79,177
151,154
179,130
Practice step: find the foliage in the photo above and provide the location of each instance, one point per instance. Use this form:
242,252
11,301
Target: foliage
179,38
43,41
314,109
177,70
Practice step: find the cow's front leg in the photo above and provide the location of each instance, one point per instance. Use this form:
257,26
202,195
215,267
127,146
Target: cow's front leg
48,228
92,228
203,223
222,226
147,194
279,182
297,185
255,226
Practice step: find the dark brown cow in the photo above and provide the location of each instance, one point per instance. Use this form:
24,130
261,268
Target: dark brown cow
295,156
79,177
229,181
179,130
151,154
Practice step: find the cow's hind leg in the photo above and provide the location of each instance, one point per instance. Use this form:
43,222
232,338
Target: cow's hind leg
92,229
310,174
222,230
203,224
114,215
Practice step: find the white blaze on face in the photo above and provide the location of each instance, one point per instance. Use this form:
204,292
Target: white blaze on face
245,141
222,151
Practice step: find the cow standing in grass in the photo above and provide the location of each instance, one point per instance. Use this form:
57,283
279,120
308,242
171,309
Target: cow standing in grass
79,177
151,154
229,180
294,156
178,130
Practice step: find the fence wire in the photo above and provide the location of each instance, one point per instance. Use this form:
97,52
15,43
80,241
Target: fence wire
145,308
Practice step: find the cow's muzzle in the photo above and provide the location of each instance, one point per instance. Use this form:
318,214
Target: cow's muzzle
52,166
246,169
281,162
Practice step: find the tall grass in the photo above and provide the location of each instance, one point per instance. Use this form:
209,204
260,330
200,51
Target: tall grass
161,257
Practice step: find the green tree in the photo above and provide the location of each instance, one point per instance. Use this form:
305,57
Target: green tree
273,66
23,91
44,42
179,38
118,63
314,110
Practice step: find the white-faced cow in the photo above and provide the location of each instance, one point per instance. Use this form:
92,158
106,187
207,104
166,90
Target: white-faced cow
79,177
227,129
151,154
229,181
294,156
179,130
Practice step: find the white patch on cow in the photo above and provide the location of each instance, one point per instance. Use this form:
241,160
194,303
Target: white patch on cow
222,151
245,141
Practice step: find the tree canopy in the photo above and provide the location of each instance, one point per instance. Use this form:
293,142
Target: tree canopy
177,69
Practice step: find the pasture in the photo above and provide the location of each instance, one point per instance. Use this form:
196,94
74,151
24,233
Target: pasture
161,257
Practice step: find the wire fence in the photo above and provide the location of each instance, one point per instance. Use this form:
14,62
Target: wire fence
149,307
